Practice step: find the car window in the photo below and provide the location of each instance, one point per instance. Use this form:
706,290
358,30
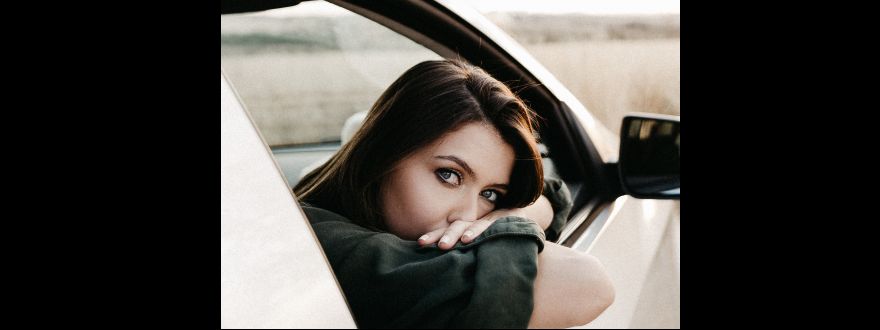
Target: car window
613,62
302,71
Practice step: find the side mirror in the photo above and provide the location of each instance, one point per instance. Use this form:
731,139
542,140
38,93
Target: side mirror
650,154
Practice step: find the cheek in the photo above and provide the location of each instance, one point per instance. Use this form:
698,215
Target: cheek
413,204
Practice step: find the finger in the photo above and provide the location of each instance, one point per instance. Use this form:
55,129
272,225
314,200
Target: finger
452,234
431,237
475,229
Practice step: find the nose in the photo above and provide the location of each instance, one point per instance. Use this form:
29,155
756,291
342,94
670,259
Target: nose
467,209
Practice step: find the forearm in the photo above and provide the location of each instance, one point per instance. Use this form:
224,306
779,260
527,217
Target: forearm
571,288
541,212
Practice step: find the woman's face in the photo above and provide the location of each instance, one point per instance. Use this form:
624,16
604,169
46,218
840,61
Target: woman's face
457,177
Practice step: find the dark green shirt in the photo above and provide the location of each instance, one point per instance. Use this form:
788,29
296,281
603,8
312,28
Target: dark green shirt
390,282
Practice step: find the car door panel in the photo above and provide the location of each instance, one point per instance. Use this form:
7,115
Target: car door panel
273,273
639,246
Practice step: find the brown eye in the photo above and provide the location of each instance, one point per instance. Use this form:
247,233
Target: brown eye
449,176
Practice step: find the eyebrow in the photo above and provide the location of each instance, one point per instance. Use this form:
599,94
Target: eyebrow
470,171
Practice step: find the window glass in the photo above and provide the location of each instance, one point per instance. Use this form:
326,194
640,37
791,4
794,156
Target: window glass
301,71
614,58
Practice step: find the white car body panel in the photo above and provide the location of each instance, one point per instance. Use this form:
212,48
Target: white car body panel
639,245
273,273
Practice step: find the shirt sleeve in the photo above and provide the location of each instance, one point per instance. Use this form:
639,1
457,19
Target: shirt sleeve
560,199
394,283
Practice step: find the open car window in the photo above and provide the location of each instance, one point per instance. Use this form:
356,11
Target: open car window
303,70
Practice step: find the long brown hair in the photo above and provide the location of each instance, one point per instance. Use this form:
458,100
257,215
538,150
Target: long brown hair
429,100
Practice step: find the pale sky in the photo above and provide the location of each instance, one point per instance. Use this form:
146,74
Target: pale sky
598,7
604,7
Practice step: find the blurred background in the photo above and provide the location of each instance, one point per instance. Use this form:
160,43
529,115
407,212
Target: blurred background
615,56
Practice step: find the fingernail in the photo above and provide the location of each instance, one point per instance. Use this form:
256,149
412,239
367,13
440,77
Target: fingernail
444,239
468,233
423,238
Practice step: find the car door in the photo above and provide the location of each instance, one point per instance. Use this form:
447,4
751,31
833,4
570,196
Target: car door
273,273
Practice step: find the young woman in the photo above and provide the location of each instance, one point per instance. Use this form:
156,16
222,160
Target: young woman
434,214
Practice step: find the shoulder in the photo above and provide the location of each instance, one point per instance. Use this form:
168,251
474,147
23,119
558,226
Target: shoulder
331,225
316,214
559,196
556,192
338,233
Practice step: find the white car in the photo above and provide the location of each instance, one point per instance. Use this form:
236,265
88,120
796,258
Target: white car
273,272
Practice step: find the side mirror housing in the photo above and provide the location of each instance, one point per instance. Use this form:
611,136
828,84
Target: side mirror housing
650,156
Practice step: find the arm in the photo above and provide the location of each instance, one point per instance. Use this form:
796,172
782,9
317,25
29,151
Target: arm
540,211
393,283
550,211
571,288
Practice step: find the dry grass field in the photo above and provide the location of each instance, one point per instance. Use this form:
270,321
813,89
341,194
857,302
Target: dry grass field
614,77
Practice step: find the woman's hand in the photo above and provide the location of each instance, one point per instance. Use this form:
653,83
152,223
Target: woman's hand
465,230
541,212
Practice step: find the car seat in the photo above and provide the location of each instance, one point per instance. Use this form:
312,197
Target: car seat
352,124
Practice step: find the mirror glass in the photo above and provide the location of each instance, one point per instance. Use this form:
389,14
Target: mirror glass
650,157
